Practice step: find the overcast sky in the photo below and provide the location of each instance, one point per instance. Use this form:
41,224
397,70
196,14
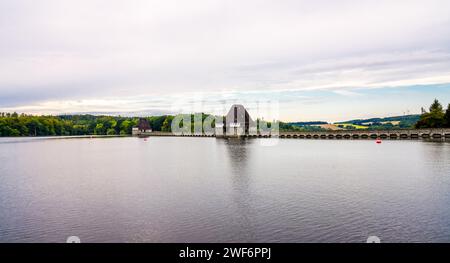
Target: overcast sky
321,60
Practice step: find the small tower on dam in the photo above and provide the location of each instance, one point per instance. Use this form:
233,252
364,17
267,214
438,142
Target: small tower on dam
236,123
142,127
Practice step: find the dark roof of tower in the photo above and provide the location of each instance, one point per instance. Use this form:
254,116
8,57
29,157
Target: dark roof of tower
143,124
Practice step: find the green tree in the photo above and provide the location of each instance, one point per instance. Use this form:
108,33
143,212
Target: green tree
447,117
8,131
167,124
111,131
156,122
436,107
432,119
99,129
125,127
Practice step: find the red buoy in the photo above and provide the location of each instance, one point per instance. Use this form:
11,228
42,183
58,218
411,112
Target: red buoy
378,141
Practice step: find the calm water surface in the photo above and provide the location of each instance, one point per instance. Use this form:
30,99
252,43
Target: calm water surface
214,190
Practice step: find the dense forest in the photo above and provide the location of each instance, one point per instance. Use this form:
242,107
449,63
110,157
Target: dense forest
13,124
27,125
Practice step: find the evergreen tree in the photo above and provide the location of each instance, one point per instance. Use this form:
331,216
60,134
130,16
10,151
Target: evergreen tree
447,117
432,119
436,107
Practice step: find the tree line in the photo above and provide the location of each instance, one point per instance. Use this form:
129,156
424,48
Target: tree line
436,117
14,124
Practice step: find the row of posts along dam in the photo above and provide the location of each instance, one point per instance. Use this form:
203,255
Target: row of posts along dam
239,124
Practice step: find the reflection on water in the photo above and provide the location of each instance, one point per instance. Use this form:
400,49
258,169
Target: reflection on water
237,151
241,182
218,190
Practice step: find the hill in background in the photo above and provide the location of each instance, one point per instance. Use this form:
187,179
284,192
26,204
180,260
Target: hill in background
395,122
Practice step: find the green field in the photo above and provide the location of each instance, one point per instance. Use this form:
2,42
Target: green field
350,125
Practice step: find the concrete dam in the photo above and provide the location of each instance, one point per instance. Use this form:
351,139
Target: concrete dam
239,124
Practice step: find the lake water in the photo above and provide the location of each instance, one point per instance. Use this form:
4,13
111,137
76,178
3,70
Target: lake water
173,189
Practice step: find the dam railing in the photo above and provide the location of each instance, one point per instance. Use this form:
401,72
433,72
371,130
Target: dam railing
435,133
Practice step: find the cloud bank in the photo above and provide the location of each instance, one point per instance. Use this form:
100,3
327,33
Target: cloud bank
97,56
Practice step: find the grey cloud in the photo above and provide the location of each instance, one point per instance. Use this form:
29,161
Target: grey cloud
68,50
